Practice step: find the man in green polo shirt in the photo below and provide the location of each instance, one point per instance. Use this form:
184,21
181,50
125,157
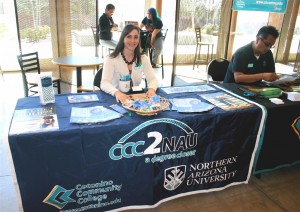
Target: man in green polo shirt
254,62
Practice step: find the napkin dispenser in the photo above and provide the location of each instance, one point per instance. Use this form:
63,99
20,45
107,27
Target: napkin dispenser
46,88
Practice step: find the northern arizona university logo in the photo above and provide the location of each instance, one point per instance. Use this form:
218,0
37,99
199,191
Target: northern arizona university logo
174,176
296,126
59,197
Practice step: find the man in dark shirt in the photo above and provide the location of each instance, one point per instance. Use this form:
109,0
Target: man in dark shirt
106,24
254,62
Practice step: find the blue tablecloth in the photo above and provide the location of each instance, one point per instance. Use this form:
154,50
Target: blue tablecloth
135,161
280,146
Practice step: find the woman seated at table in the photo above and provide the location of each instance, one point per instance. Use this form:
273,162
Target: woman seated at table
127,62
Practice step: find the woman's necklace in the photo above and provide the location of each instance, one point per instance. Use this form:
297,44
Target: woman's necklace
124,58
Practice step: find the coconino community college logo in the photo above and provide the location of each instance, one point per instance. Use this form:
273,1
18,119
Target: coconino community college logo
296,126
59,197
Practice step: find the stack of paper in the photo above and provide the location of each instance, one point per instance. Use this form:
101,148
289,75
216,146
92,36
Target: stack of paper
284,80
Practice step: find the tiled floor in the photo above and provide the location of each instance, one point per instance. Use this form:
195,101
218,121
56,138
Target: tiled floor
275,191
9,93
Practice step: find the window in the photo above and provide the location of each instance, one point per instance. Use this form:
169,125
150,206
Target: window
204,14
129,10
296,37
168,17
83,17
247,28
8,36
34,27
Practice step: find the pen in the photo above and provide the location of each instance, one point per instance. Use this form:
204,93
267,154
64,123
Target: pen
243,89
246,93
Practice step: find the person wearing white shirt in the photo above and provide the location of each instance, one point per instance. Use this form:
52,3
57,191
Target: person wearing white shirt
127,60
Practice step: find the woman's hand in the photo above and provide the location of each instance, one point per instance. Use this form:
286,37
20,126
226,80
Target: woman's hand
151,92
121,97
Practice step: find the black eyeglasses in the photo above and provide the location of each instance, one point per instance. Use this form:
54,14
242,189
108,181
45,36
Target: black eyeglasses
270,46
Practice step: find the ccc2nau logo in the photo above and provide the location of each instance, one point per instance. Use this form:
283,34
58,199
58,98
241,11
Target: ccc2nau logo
124,149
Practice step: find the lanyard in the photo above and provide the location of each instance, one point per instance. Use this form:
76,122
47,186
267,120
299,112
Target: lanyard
131,83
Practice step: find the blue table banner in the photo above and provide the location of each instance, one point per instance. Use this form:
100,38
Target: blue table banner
278,6
134,162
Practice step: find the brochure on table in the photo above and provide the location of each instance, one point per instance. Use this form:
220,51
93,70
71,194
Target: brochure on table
225,101
92,115
185,89
190,105
34,120
83,98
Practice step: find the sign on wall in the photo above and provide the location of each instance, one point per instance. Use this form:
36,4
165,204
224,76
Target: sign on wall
277,6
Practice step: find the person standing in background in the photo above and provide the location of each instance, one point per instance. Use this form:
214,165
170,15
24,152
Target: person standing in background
104,29
154,24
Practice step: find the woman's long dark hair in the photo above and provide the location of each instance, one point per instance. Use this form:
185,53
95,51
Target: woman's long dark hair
120,46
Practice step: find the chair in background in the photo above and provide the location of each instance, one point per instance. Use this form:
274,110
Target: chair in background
144,40
96,83
216,70
97,78
164,35
200,43
30,67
